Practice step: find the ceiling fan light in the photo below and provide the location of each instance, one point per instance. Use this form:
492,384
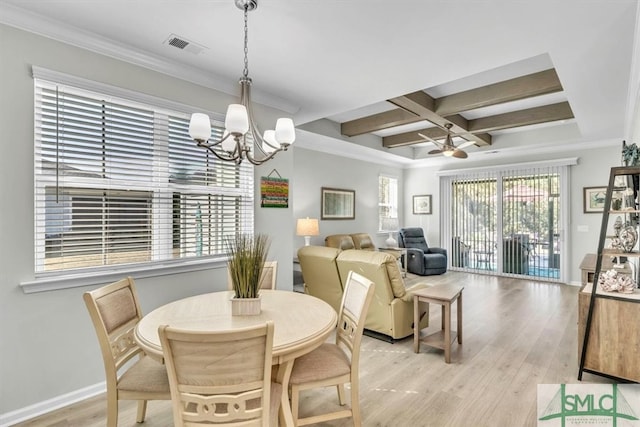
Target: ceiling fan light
448,153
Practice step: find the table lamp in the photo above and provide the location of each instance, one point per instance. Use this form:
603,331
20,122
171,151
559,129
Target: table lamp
307,227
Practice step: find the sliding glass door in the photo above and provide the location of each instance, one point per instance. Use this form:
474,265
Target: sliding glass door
506,222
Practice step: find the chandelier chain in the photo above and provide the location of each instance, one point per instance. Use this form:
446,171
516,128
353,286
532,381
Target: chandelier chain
245,72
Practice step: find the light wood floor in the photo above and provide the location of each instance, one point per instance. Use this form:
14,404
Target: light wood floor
517,334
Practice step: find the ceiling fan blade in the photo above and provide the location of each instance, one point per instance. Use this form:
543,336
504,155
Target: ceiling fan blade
435,152
439,144
459,154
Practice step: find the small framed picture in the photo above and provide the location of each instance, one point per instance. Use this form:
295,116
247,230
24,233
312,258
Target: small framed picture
422,204
594,198
337,203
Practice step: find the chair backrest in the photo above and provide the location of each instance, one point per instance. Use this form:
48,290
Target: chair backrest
358,293
115,311
267,277
412,237
340,241
219,377
320,273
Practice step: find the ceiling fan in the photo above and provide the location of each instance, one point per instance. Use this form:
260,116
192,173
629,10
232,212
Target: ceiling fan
447,147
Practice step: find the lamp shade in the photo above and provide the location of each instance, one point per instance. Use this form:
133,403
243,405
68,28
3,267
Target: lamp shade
270,138
285,131
200,127
307,227
236,120
228,143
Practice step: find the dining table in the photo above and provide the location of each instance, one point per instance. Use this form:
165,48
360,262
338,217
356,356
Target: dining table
301,324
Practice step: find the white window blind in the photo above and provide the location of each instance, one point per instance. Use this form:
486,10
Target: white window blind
387,203
120,182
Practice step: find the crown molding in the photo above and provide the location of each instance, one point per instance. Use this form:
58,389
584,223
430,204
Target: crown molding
46,27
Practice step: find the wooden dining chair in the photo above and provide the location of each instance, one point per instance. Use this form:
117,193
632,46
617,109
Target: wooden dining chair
267,278
221,378
336,363
115,311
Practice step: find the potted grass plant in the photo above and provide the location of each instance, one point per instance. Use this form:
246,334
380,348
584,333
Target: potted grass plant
247,254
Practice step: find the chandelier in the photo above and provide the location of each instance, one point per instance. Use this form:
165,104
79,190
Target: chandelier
234,146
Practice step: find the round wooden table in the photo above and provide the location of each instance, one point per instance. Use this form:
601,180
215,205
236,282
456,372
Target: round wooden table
301,324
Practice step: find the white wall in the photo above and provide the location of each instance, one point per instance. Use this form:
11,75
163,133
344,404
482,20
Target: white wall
47,344
314,170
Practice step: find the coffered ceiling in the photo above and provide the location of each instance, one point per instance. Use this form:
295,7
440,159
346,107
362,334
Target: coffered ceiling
419,106
367,76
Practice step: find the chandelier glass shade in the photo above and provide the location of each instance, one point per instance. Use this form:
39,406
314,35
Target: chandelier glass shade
241,132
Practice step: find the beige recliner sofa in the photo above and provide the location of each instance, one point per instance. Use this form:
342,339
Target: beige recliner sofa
325,271
350,241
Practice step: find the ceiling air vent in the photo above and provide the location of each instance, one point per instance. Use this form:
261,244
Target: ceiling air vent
179,43
184,44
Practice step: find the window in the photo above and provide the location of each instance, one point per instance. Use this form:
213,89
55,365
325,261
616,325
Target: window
387,203
120,182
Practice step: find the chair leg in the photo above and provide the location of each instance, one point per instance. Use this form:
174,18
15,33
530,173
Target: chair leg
142,410
355,404
295,395
112,410
341,394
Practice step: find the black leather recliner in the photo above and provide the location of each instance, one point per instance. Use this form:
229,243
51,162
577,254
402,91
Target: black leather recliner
422,259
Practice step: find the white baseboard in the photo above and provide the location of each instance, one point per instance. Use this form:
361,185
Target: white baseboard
32,411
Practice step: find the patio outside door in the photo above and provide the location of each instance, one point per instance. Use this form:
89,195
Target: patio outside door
506,222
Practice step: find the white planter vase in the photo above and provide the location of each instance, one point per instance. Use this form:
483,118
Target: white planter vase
245,306
391,242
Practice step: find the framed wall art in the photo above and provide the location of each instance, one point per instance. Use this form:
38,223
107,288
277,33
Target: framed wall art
594,199
337,203
422,204
274,191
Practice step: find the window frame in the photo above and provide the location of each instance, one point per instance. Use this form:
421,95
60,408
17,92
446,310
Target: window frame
51,280
393,221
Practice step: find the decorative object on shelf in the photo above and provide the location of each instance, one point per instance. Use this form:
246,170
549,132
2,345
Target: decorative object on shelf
338,204
628,200
628,238
631,157
617,226
616,200
611,281
307,227
630,154
616,244
247,254
422,204
241,131
594,198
